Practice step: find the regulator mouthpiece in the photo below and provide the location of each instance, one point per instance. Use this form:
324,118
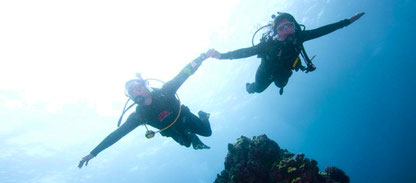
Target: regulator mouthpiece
139,100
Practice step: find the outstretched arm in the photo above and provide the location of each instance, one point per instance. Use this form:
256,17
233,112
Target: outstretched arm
315,33
173,85
237,54
131,123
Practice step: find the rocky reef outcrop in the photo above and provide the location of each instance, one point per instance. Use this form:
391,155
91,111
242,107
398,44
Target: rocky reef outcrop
260,159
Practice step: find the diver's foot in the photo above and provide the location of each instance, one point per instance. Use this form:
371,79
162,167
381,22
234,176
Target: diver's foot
249,88
203,115
281,91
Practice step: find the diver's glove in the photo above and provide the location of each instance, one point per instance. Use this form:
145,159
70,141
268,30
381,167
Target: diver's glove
310,68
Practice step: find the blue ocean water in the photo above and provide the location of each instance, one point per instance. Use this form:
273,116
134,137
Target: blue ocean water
354,112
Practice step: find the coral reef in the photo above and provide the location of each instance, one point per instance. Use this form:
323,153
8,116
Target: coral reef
260,160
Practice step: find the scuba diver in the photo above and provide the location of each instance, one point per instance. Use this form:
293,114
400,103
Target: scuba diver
279,50
160,109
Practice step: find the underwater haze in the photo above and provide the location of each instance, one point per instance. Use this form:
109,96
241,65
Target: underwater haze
64,65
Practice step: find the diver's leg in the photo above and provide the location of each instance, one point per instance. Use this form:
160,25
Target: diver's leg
281,79
263,80
182,140
201,125
186,137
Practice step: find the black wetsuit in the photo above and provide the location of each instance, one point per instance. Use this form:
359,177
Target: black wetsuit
162,112
277,57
